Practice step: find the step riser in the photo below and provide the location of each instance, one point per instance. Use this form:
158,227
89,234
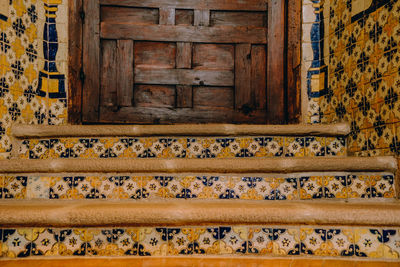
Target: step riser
181,147
344,243
297,186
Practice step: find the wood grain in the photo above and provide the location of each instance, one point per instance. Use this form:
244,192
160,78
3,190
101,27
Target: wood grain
74,62
184,17
294,61
167,16
155,55
184,96
166,33
249,5
213,57
125,78
259,76
184,55
154,96
182,115
184,77
232,18
210,97
243,94
201,18
108,77
91,61
112,14
276,62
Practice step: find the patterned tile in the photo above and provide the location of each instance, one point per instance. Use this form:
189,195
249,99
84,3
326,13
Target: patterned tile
45,242
16,243
38,188
368,243
73,242
207,241
311,187
359,186
210,147
233,240
285,241
14,187
260,241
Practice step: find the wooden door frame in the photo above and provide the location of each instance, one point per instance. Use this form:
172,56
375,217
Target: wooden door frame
286,14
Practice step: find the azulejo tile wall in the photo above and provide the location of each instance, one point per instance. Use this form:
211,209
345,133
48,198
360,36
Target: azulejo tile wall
360,45
270,187
33,64
262,240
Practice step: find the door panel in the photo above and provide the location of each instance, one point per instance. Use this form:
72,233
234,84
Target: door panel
179,61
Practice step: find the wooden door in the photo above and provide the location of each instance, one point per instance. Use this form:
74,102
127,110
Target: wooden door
188,61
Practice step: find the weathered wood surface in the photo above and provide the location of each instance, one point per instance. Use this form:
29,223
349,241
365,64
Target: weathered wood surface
184,17
248,5
155,55
75,62
191,61
214,57
259,75
91,61
166,33
276,62
231,18
184,96
210,97
112,14
184,55
201,18
125,78
157,96
181,115
243,95
184,77
109,68
167,16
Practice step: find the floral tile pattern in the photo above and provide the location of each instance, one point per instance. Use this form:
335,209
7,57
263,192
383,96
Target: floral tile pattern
24,98
258,240
202,147
266,187
359,44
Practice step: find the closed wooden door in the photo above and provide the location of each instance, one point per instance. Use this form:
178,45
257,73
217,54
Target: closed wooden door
188,61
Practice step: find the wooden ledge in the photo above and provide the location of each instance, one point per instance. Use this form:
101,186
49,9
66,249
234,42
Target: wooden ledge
31,131
242,165
105,213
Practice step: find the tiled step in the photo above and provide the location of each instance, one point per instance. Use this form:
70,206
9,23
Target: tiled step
179,141
255,179
245,229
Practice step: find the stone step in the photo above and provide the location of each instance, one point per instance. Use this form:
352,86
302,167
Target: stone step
179,141
349,178
244,229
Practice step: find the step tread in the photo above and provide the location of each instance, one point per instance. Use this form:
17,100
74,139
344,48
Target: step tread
33,131
195,212
243,165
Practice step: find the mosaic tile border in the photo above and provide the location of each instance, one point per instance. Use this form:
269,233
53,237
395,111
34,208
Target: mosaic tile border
262,240
303,186
183,147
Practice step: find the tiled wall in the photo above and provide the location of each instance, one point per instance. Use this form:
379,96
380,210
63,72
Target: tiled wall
361,48
33,64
